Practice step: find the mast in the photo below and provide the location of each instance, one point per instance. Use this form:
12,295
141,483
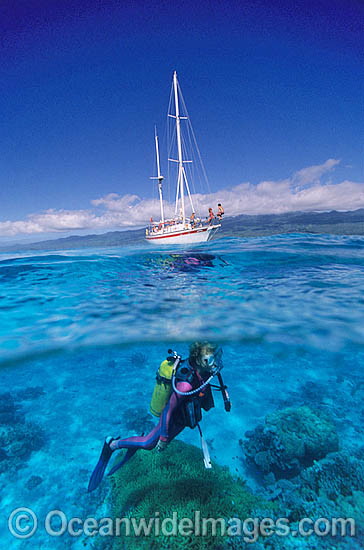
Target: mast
180,183
159,178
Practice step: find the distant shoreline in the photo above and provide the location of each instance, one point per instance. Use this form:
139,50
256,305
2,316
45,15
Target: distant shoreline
334,223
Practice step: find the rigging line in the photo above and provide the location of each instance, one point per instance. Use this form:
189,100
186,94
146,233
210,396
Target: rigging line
170,101
167,132
169,143
172,137
193,167
198,156
154,171
171,171
188,171
194,139
184,153
169,139
168,174
199,175
163,147
189,193
172,147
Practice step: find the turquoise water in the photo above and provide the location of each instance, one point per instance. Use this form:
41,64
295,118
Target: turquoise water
82,333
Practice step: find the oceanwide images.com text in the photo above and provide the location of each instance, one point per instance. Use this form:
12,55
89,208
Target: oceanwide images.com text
23,523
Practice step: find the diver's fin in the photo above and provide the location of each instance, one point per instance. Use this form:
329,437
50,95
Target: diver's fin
99,470
128,455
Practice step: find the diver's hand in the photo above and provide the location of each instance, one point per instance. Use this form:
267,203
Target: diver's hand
161,445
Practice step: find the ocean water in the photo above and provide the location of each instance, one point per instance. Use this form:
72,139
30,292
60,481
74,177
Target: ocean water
83,332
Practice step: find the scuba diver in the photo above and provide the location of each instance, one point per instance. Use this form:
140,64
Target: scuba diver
183,387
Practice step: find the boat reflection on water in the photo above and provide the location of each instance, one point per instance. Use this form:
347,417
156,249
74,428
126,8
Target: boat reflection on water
187,262
191,261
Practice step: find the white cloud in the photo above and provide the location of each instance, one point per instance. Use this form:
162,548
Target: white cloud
303,191
312,174
113,201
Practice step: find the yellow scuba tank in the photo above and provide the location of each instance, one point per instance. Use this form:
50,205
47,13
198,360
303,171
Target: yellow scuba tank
163,387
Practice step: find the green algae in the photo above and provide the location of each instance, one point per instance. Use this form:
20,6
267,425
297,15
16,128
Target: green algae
156,484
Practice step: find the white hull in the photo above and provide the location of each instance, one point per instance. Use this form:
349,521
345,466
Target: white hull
183,236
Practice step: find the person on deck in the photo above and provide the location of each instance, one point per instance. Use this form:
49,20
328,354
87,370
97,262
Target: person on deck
220,211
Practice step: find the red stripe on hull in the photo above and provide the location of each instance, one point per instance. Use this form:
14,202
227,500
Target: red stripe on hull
176,234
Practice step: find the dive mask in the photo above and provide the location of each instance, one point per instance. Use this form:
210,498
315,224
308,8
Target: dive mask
214,361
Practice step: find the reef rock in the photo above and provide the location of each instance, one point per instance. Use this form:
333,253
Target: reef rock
33,482
331,487
290,440
18,436
8,410
339,474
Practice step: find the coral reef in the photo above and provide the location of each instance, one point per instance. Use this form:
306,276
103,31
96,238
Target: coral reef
330,488
177,481
306,476
18,437
290,440
339,474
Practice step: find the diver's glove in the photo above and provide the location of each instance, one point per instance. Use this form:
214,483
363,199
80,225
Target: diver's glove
161,445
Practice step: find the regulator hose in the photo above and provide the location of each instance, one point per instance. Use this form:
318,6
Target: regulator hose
197,389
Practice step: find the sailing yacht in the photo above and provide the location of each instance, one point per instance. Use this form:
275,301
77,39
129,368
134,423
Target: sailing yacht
182,228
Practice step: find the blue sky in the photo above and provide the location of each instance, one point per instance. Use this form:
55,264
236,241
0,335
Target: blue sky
271,90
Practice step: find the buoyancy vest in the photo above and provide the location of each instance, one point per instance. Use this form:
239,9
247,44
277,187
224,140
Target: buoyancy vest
191,405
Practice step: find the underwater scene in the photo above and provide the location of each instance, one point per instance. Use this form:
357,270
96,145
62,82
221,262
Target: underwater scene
227,379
